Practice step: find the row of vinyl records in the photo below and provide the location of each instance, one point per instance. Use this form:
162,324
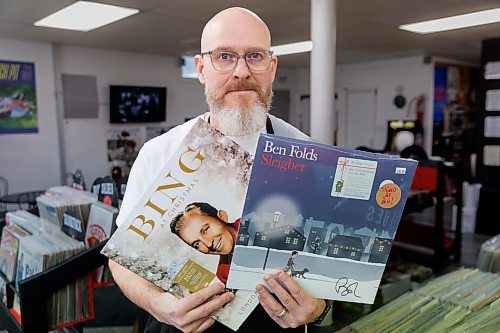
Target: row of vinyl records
30,245
464,300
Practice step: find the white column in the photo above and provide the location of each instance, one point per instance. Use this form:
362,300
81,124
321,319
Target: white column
323,55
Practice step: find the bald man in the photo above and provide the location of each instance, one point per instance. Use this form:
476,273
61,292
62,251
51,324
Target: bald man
237,69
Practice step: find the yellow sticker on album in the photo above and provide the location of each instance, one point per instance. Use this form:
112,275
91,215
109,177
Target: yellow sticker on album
388,194
193,276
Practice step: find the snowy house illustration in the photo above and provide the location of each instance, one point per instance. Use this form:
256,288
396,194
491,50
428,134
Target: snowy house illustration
316,241
251,217
300,230
385,235
314,232
262,238
380,250
282,238
288,238
254,222
345,247
311,223
243,236
298,220
333,230
367,236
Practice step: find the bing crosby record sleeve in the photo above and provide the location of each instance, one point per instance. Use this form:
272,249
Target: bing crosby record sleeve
208,174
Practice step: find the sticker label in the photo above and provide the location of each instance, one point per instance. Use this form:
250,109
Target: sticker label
400,171
193,276
388,194
354,178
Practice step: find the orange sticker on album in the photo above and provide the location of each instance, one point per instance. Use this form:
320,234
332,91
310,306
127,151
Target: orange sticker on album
388,195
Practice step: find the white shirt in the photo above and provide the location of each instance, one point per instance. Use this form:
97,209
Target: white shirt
156,152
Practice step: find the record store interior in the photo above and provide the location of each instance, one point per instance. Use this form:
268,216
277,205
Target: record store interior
84,98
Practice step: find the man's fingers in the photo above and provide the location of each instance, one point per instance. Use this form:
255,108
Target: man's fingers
271,305
186,326
205,324
298,303
278,284
195,299
292,288
206,309
193,312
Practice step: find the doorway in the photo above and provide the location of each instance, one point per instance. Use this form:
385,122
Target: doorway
360,117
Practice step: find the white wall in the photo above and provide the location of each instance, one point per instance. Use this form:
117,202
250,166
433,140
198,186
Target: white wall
82,142
85,139
410,73
31,161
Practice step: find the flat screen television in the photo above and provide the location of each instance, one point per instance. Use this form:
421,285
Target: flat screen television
137,104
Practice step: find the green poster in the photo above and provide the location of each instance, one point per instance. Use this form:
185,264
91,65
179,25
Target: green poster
18,109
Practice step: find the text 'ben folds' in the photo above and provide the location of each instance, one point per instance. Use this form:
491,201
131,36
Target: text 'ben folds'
293,151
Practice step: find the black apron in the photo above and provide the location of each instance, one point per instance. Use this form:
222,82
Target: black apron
258,319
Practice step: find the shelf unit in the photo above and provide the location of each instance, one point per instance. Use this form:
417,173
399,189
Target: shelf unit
411,241
34,291
488,174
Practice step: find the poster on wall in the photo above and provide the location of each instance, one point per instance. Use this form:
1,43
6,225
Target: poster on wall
453,107
18,108
154,131
123,147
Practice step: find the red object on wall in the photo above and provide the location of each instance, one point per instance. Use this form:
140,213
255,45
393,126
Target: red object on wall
425,178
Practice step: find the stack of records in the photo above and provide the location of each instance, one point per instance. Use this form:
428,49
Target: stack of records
100,226
40,246
3,291
9,245
465,300
68,208
489,255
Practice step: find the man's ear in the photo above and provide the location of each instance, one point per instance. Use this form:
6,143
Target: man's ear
222,215
274,66
198,63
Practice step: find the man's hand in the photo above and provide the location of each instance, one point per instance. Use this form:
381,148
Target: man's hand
293,307
191,313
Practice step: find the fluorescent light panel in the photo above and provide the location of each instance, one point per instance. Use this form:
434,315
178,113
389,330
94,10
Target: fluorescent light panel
85,16
292,48
454,22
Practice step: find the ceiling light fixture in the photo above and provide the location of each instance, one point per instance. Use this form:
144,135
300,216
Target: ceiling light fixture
292,48
454,22
85,16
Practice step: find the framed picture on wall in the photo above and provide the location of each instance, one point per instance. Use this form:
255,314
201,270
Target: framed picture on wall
454,109
123,147
18,107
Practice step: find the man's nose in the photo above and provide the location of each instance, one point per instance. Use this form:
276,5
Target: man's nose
241,70
207,241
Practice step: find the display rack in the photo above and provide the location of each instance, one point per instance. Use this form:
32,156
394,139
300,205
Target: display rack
487,165
430,243
35,291
7,320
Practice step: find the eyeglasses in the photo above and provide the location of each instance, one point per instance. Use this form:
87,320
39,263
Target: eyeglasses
225,61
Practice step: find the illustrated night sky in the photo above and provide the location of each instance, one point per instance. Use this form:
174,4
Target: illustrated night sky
311,188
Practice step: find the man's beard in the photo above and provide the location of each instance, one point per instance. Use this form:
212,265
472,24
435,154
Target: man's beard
243,119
